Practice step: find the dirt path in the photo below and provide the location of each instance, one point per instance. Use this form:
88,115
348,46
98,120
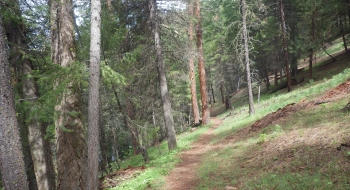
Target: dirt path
183,176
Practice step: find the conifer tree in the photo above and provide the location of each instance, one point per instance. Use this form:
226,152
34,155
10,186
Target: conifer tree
11,158
70,136
168,116
201,66
94,98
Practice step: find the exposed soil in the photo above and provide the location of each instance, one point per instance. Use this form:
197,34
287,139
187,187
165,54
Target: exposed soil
183,176
113,179
315,149
277,154
274,117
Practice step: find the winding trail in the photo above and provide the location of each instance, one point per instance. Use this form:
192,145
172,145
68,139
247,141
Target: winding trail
184,175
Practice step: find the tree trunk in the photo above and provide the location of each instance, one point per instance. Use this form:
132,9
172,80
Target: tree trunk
222,92
266,76
70,136
212,92
312,39
246,56
115,147
342,32
94,86
283,26
201,67
192,74
11,157
133,130
54,30
310,63
104,149
168,116
40,147
276,77
348,8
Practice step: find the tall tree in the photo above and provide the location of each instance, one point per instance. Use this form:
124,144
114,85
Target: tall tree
285,53
11,156
39,147
93,118
70,136
168,116
201,67
192,74
246,57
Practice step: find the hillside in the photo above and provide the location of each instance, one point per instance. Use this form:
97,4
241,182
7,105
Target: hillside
296,140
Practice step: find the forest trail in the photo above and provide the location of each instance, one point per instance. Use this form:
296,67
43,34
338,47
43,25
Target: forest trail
183,176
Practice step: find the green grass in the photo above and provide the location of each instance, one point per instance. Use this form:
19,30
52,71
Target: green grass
291,181
232,164
338,46
242,161
160,165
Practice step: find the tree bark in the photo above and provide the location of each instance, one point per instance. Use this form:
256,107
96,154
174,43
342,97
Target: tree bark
192,74
283,26
168,116
246,57
70,136
104,150
201,67
40,147
94,105
11,157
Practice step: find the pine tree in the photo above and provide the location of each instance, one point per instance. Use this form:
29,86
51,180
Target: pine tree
70,136
168,117
95,53
11,157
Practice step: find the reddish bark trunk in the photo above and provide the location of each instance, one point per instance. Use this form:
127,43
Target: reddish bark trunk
201,67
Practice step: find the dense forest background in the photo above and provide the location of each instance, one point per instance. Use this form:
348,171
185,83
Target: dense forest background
163,64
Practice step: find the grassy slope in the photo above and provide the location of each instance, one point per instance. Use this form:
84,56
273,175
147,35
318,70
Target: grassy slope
299,152
268,159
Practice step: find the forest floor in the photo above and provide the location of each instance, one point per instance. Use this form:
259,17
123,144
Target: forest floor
296,140
183,176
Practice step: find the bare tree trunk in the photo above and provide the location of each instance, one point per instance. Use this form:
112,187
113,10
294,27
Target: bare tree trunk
276,77
212,92
168,116
312,38
192,74
222,92
70,135
201,67
311,55
283,25
342,31
94,98
246,57
11,157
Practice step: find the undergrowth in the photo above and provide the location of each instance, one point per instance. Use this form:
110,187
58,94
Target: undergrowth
160,165
298,153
